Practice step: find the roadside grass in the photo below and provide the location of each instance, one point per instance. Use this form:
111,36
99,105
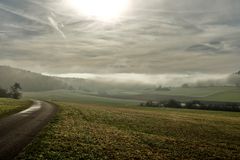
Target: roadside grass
98,131
11,106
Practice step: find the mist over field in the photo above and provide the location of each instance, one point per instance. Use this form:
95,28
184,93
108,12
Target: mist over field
31,81
167,80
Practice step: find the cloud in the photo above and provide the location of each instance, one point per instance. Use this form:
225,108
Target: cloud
153,37
212,47
21,14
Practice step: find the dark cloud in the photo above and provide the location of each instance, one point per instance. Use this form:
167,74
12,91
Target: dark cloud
211,47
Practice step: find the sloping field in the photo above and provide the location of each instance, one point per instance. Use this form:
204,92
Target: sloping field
77,96
192,91
223,94
182,94
228,96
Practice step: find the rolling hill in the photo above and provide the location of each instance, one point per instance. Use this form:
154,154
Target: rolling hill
32,82
29,81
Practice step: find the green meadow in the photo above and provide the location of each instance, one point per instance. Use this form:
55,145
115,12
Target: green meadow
77,96
223,94
193,91
229,96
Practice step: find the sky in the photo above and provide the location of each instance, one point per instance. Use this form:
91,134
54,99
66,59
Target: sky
150,37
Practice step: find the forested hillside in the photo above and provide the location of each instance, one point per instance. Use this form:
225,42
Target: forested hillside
29,81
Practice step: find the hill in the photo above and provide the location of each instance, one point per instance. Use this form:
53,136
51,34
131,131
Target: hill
103,88
29,81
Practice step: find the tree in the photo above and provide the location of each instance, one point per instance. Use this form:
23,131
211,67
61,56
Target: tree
185,85
149,103
173,103
15,91
234,79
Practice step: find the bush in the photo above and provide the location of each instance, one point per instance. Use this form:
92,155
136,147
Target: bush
217,106
173,104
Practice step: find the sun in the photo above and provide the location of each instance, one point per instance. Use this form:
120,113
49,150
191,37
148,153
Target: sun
105,10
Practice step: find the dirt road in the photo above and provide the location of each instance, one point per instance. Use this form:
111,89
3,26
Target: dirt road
17,130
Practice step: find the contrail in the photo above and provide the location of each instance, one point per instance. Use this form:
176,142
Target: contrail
55,26
52,24
10,10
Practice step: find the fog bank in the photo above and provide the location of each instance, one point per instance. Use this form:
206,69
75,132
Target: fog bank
169,80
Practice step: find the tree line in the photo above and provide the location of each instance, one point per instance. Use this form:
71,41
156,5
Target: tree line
14,91
195,104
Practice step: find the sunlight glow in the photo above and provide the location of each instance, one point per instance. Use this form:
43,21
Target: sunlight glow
104,10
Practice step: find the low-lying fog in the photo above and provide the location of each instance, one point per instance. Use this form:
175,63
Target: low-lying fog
169,80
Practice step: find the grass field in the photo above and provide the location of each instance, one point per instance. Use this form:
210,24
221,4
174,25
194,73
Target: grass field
77,96
229,96
194,91
99,131
10,106
223,94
